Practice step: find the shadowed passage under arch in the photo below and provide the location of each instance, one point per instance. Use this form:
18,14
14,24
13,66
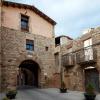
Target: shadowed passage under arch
29,74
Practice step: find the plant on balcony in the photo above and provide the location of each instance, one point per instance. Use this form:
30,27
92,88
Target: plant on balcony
90,93
11,94
63,88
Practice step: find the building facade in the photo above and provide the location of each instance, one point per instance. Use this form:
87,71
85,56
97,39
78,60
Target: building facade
27,42
81,61
30,55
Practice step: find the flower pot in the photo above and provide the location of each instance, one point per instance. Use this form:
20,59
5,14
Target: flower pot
89,96
11,94
63,90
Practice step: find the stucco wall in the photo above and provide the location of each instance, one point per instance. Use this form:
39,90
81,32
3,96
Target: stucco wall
37,25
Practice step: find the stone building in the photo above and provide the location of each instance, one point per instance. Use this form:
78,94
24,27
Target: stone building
30,55
60,42
81,61
27,42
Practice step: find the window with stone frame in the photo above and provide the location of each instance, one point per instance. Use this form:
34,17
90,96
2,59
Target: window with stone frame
24,23
30,45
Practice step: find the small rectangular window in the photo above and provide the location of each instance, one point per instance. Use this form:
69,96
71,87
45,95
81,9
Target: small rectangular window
24,23
29,45
46,48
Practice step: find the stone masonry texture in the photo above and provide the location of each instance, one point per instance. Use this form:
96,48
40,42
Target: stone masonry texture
14,52
13,45
74,75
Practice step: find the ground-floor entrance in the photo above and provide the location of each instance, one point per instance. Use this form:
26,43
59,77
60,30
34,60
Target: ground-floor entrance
92,76
29,74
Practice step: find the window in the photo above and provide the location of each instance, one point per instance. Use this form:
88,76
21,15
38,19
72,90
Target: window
29,45
88,42
46,48
24,23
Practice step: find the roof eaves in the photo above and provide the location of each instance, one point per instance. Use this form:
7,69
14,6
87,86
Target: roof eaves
37,11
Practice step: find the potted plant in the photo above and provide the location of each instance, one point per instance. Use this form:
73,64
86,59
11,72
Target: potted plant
63,88
90,93
5,98
11,94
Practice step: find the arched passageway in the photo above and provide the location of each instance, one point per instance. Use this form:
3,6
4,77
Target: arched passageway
29,74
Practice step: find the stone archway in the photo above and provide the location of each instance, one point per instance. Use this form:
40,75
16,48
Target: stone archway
13,69
33,57
29,74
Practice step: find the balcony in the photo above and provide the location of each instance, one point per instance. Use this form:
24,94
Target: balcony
87,55
68,60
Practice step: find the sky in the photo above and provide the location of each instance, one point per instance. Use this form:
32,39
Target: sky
72,16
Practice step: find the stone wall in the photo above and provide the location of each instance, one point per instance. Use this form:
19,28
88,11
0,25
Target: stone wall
0,12
14,52
0,45
0,59
74,75
53,82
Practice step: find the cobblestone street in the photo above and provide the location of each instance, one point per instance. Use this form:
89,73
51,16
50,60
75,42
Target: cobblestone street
49,94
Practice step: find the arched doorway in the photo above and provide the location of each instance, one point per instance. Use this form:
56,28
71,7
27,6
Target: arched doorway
29,74
92,76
